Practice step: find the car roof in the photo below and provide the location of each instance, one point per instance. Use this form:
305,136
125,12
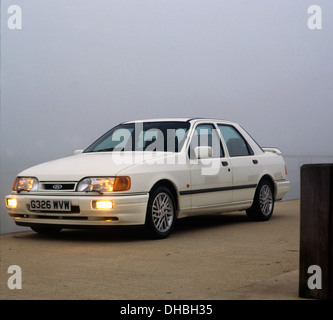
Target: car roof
160,120
179,119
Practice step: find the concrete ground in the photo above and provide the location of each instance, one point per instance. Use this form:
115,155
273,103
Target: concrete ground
214,257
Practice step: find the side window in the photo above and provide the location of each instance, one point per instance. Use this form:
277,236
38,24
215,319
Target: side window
206,135
236,144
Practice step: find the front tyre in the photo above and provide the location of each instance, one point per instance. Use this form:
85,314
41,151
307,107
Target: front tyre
263,203
161,213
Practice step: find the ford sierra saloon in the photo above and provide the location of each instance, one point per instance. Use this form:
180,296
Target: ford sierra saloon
151,173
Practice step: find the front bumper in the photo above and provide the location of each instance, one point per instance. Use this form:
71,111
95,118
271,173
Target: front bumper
127,210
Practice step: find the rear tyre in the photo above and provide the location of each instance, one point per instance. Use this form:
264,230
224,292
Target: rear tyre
263,203
161,213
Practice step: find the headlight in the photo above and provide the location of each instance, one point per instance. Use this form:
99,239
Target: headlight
104,184
25,184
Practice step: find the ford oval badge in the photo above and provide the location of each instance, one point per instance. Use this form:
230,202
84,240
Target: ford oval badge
57,186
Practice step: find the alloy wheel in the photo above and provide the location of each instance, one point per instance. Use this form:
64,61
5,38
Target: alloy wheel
266,200
162,212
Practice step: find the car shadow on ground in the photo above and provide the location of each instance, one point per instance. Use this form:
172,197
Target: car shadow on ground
137,233
200,222
112,234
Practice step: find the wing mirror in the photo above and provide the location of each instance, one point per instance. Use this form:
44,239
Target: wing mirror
203,152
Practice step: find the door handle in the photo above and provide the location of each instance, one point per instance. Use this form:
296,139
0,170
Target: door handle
255,161
224,163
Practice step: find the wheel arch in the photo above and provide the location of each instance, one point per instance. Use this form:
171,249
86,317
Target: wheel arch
171,187
271,180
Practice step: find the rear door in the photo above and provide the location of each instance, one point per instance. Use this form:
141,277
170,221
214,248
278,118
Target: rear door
246,166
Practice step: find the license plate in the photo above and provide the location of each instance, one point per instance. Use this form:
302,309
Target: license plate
50,205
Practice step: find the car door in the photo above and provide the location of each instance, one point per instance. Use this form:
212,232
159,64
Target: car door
211,178
245,164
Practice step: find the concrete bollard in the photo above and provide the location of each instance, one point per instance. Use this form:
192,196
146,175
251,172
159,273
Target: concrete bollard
316,234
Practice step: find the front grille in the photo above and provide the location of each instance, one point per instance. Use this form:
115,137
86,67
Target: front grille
61,217
58,186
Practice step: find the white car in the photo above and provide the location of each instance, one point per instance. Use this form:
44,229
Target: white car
152,173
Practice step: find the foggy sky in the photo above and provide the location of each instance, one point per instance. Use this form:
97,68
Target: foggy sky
77,68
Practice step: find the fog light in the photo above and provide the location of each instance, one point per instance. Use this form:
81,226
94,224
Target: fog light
102,204
11,203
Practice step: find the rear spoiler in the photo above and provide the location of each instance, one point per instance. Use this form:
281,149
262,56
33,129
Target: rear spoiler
274,150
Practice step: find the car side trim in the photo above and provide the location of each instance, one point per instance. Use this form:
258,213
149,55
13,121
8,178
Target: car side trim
247,186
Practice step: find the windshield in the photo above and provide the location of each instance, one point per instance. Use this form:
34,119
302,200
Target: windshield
143,136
